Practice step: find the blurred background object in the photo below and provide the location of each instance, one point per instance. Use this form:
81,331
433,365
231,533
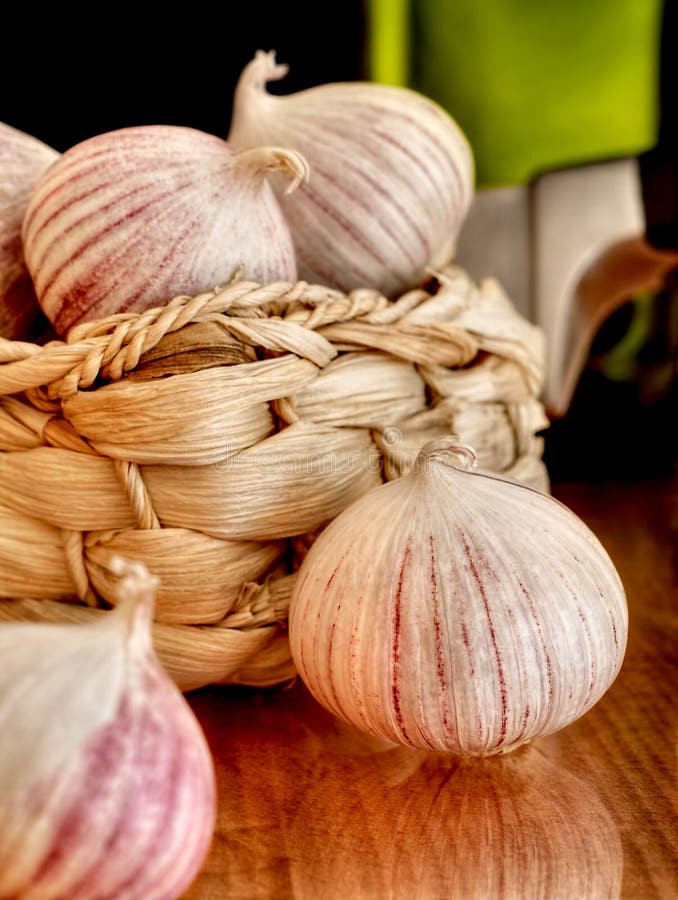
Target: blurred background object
535,85
570,110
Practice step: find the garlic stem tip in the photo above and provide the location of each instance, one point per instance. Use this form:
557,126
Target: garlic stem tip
450,452
257,162
297,168
264,68
137,585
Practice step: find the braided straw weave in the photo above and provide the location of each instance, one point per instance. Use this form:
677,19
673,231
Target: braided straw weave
212,438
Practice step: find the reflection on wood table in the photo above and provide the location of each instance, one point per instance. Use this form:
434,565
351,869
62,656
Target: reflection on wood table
312,809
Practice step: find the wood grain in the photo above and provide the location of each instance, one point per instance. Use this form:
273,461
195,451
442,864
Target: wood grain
310,808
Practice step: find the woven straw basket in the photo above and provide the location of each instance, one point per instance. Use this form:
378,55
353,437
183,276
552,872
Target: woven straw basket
212,439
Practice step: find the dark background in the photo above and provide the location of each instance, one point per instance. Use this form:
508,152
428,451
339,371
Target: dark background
70,77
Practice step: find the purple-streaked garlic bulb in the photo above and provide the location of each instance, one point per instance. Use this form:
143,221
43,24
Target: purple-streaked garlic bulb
131,218
391,176
107,787
23,159
456,610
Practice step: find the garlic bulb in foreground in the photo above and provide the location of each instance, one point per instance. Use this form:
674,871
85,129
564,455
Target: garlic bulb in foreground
107,785
456,610
391,176
131,218
23,159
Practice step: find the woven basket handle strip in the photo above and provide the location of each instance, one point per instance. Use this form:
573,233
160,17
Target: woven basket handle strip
116,343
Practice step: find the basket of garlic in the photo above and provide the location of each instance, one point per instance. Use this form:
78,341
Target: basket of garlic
249,335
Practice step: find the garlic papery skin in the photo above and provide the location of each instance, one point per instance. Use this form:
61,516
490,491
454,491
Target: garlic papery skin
131,218
456,610
107,787
391,176
23,159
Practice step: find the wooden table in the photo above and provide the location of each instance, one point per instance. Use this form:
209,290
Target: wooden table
311,809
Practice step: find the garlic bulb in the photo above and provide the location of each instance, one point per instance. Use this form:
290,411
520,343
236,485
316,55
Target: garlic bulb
107,786
457,610
23,159
391,176
131,218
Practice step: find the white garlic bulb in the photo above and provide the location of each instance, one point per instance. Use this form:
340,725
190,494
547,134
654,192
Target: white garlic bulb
456,610
107,787
391,176
132,218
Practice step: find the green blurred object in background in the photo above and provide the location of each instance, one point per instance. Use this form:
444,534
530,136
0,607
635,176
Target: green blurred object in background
535,84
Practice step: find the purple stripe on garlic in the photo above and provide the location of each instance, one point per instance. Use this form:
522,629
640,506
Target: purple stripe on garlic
458,610
389,169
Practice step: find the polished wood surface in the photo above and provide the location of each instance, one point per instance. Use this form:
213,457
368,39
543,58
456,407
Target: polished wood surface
309,808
